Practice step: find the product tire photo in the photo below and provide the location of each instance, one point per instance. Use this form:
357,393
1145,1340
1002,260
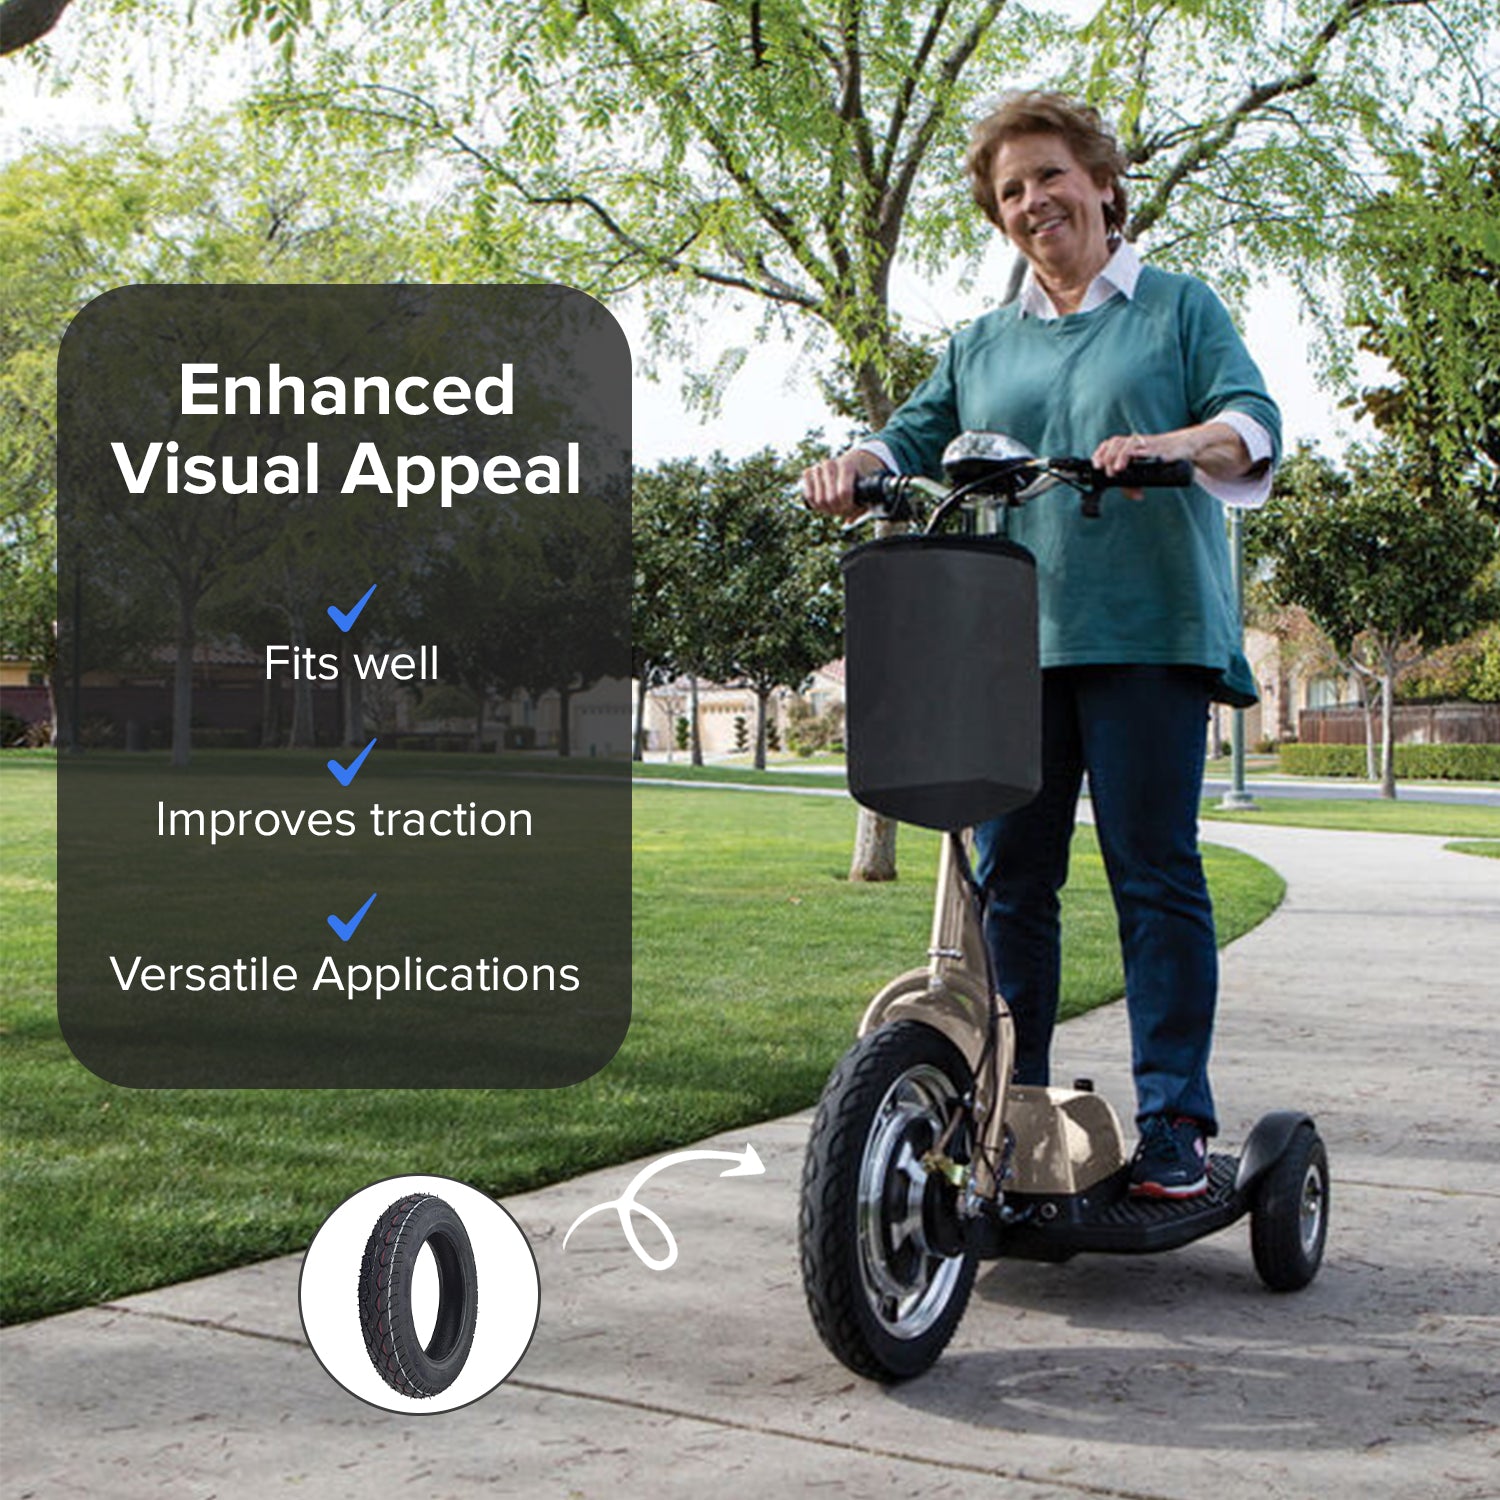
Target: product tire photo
386,1313
392,1312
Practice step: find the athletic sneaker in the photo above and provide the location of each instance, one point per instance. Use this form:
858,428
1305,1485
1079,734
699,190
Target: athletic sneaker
1171,1159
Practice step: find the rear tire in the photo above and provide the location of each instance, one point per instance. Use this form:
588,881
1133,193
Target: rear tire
875,1225
1289,1219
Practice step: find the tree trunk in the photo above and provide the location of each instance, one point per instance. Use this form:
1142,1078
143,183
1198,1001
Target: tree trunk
874,848
353,697
564,727
1372,769
182,677
874,856
270,711
762,725
695,731
638,749
303,734
1387,730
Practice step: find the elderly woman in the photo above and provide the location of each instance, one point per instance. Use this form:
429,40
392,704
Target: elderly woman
1103,355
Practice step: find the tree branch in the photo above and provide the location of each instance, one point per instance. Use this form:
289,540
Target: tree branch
1209,143
897,196
901,110
724,150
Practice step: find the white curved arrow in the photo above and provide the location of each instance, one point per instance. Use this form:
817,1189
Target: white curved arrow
746,1164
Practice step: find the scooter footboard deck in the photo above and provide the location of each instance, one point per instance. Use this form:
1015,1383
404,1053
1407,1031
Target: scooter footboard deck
1108,1220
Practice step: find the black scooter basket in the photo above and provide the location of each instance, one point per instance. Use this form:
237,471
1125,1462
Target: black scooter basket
941,677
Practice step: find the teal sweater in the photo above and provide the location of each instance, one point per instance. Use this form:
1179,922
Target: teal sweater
1147,581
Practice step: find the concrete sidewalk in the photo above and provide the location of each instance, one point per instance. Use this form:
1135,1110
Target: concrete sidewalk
1372,998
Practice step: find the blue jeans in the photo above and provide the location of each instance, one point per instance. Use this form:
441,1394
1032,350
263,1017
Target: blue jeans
1139,732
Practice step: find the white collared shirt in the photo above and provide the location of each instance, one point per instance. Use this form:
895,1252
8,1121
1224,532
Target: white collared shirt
1119,277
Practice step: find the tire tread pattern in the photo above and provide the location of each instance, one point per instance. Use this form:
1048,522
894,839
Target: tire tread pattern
826,1225
1281,1259
385,1312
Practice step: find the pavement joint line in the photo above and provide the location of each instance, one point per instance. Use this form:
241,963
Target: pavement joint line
895,1455
988,1471
1411,1187
210,1325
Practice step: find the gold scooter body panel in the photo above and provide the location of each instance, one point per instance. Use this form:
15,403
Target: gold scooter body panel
1066,1140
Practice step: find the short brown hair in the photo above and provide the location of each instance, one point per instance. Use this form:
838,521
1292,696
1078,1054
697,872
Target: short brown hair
1037,112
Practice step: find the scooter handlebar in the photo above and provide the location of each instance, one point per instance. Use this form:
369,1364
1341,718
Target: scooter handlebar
1148,473
890,497
885,494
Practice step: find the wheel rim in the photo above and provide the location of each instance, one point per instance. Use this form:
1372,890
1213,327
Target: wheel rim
906,1282
1311,1209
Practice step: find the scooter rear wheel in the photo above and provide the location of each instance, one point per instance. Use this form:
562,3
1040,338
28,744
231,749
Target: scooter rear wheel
883,1267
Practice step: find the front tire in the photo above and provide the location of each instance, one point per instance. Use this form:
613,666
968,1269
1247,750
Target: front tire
1289,1220
883,1268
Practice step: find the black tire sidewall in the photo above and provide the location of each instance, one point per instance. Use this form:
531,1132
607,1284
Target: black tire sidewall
385,1295
829,1224
1281,1259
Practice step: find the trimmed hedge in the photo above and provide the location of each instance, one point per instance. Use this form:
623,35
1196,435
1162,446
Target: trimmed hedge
1413,762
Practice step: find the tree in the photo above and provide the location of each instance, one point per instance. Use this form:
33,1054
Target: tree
1424,267
231,202
28,595
1387,573
25,22
660,528
740,582
579,603
782,599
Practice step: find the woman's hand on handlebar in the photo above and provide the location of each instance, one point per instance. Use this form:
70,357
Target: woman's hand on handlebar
1214,447
1115,454
829,486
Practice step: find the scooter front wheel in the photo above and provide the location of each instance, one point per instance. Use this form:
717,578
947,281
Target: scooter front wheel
883,1266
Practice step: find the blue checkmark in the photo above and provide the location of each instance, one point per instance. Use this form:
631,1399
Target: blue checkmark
346,929
345,776
344,621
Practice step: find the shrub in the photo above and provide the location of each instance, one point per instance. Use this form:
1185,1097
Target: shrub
1413,762
100,732
808,731
12,729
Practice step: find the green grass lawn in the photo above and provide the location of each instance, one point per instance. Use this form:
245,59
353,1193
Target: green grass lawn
1368,815
753,958
1485,848
828,773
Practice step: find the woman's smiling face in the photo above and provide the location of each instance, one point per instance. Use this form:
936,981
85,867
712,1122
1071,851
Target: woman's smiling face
1051,209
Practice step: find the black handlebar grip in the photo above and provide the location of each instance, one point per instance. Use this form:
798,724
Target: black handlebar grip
1152,473
885,497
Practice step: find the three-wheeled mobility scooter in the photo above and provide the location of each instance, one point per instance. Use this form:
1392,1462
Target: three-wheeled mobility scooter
925,1158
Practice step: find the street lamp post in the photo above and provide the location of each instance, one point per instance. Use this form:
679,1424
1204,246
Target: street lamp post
1237,798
